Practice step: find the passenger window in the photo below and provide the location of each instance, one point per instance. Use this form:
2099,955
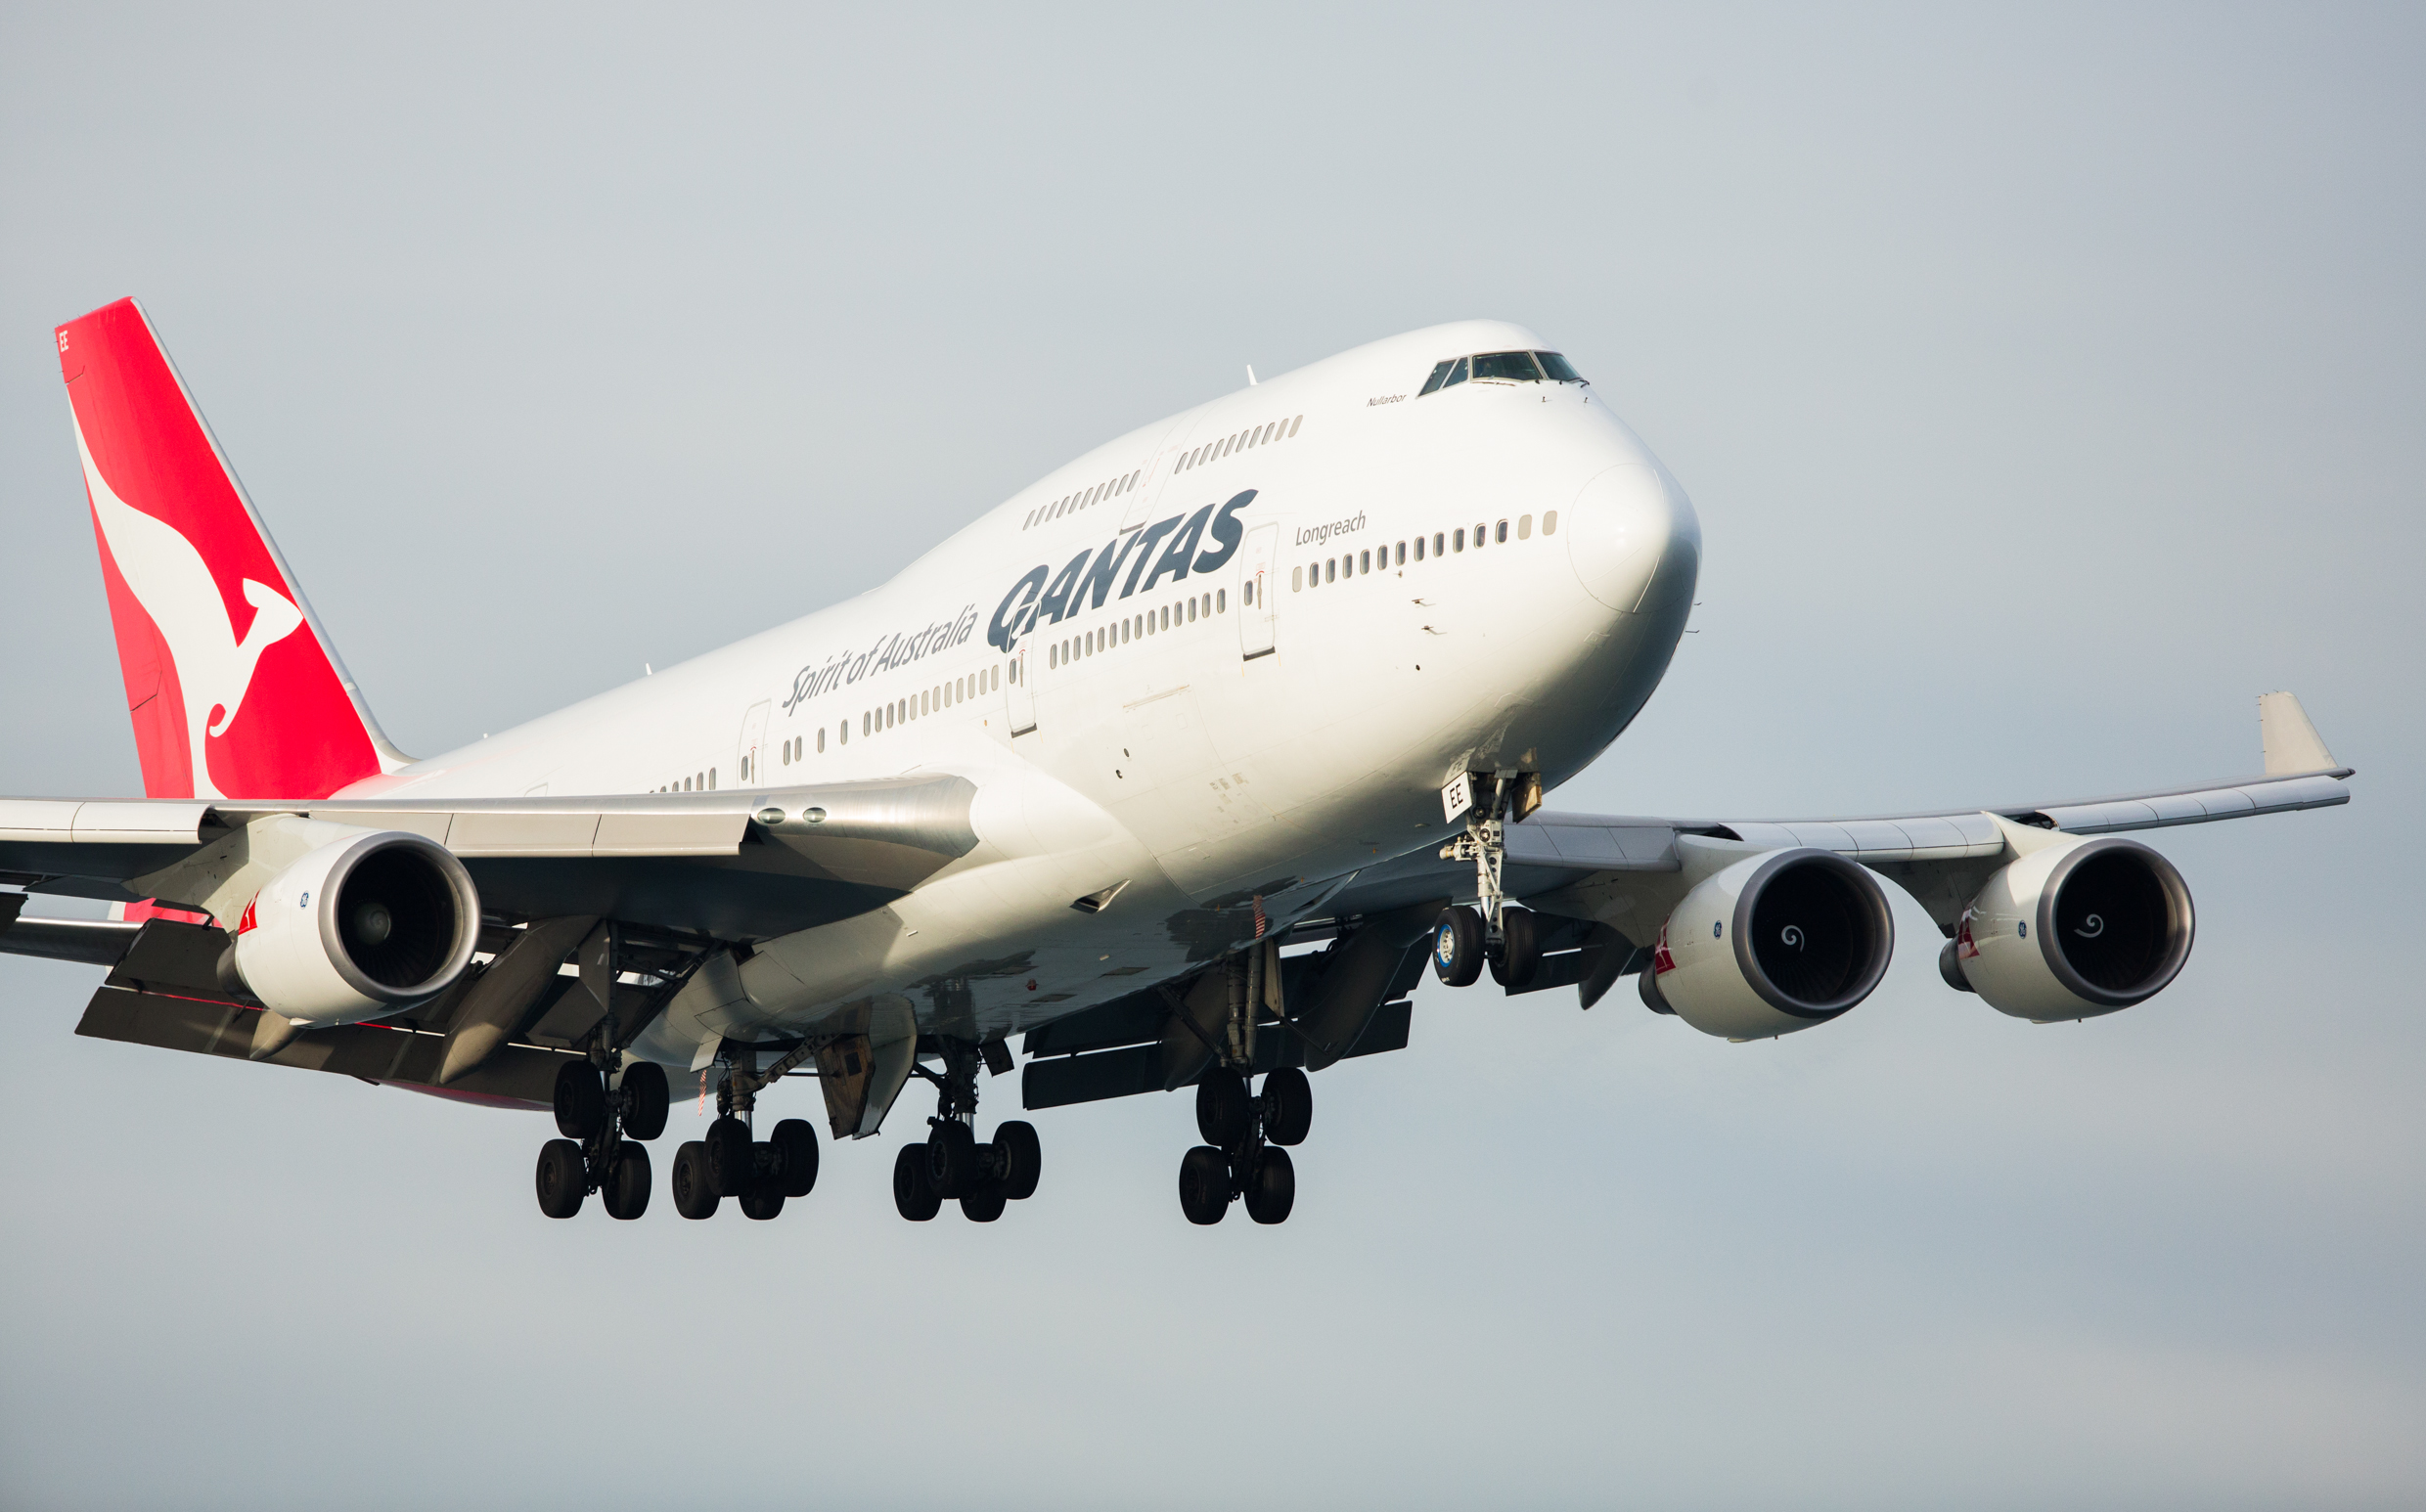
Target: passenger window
1549,522
1478,536
1461,540
820,739
1508,366
1402,553
1298,424
1499,533
1294,574
1524,527
1558,368
1456,374
1418,548
1440,371
1363,561
1220,597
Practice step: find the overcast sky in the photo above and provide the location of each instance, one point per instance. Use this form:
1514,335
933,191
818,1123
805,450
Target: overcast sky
2048,386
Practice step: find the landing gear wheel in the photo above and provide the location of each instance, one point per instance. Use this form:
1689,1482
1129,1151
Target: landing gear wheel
912,1194
1520,950
1204,1185
695,1181
561,1180
984,1204
1288,1106
731,1158
1457,945
581,1101
794,1143
951,1159
1023,1159
626,1192
644,1100
762,1202
1224,1110
1271,1188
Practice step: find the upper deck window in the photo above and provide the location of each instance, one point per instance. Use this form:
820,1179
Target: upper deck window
1501,367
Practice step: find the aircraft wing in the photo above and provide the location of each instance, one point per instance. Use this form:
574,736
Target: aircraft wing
1611,879
745,864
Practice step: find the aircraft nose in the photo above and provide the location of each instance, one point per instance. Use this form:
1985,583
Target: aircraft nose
1625,523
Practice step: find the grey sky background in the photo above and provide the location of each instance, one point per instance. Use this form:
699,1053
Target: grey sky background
2049,385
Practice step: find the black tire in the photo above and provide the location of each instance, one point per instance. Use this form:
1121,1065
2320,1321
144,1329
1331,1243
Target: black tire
628,1179
1272,1189
951,1159
646,1100
563,1182
1520,950
695,1181
762,1202
1204,1185
984,1203
1458,947
1023,1159
795,1143
731,1158
912,1194
1225,1111
581,1101
1288,1106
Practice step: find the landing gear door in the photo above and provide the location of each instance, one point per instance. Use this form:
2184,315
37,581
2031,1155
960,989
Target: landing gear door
753,750
1258,565
1019,691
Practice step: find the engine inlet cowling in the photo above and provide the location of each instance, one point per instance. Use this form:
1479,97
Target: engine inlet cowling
1774,943
358,928
2076,929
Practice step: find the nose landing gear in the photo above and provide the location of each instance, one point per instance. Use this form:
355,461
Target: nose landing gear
1493,932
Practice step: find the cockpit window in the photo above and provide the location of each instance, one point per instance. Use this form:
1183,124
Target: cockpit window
1507,367
1501,367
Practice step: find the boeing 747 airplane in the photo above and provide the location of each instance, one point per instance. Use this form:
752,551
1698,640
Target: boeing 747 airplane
1174,770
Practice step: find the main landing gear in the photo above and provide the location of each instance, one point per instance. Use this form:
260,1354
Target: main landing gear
759,1175
952,1165
1494,932
600,1150
1243,1155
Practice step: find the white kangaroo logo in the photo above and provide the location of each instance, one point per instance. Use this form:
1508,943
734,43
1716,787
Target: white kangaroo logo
172,582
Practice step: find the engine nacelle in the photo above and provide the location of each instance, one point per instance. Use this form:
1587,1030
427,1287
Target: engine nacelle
1776,943
358,928
2075,929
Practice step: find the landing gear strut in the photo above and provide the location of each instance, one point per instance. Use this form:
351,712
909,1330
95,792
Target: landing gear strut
952,1165
1492,931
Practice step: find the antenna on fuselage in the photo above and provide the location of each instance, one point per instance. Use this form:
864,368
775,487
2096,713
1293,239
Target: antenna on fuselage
1250,374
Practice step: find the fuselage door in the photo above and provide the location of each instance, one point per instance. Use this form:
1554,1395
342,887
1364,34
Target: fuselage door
754,743
1018,690
1257,567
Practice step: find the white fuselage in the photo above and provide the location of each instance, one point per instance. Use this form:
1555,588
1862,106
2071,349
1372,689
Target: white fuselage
1172,756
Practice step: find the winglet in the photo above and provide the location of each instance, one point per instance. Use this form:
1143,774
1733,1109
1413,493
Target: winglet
2291,743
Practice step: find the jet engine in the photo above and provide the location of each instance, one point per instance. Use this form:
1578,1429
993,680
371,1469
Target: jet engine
1774,943
2075,930
357,928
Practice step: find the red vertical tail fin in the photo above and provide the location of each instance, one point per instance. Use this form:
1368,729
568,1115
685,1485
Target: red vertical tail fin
234,689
